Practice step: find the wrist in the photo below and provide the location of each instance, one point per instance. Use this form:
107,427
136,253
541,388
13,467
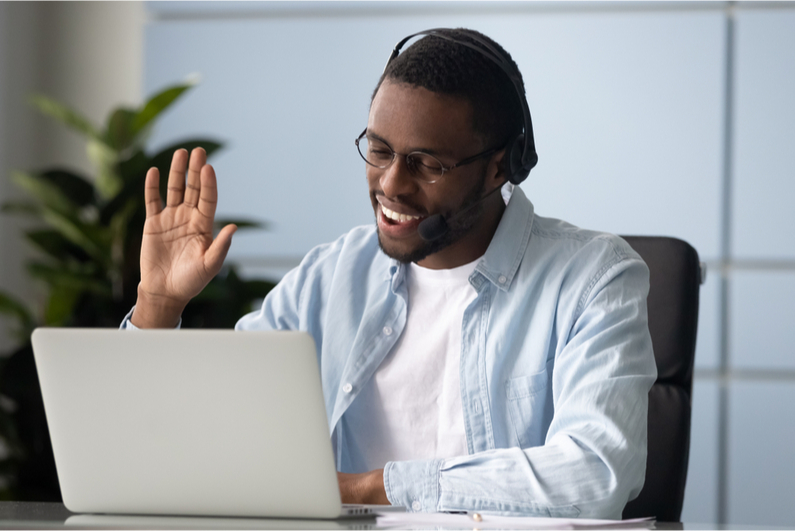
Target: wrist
377,489
153,311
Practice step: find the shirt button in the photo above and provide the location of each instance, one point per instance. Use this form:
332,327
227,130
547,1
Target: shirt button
347,388
416,505
502,279
387,330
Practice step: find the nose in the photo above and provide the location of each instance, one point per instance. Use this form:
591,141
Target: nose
397,180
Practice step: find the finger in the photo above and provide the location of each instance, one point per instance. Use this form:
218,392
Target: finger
208,199
198,158
176,177
216,253
154,204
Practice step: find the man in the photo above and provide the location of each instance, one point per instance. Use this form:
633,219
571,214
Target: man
501,363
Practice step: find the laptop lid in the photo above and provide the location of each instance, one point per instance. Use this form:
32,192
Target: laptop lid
187,422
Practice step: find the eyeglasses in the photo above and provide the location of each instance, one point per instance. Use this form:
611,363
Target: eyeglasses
422,166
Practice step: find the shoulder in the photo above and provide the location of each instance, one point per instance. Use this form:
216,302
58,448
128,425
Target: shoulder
355,254
558,240
578,263
533,249
337,270
359,245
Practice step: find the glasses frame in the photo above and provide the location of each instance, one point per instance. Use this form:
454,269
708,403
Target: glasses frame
414,173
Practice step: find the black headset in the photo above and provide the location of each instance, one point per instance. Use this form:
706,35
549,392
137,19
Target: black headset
522,156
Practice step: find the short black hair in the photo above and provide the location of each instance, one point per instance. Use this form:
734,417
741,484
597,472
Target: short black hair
453,69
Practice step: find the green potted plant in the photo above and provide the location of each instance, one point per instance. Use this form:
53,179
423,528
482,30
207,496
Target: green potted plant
88,234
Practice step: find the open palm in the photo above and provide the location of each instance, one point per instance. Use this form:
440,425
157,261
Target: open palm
178,254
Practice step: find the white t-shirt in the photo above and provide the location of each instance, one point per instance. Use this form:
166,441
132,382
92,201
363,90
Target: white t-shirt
411,408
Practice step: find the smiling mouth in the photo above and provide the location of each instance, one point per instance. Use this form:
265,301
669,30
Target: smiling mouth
397,217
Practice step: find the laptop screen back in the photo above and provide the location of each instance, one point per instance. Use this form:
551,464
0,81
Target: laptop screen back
192,422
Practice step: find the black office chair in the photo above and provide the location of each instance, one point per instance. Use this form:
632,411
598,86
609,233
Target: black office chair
675,277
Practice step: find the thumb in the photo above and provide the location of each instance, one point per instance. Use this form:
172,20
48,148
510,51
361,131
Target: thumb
216,253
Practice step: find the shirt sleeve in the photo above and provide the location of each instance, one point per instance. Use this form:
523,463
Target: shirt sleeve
126,324
281,309
594,456
285,306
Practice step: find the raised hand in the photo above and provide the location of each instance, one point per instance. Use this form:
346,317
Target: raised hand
178,254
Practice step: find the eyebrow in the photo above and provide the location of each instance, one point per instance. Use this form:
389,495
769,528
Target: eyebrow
433,152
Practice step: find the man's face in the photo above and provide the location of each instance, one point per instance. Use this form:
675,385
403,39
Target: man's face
409,119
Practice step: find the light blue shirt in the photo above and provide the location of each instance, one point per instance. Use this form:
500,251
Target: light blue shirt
555,369
556,364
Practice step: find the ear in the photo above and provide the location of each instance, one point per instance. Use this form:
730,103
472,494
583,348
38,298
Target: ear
497,170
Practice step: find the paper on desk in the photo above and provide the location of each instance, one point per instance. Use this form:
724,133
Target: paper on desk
467,521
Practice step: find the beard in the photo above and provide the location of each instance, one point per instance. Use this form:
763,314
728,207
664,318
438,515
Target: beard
457,229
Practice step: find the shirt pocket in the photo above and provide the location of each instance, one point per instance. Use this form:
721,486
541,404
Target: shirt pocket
528,408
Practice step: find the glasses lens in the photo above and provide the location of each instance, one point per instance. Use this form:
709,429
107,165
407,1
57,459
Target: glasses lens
376,153
425,167
422,166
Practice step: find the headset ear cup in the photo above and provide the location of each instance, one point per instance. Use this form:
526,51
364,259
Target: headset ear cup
516,171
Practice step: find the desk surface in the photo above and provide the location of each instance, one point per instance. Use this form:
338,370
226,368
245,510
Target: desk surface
36,515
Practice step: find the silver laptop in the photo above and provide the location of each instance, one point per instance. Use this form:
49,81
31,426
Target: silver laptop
188,422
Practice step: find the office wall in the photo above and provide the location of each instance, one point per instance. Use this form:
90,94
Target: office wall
760,283
86,54
276,80
669,119
16,136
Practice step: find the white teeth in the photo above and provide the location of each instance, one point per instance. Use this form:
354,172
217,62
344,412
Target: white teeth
394,216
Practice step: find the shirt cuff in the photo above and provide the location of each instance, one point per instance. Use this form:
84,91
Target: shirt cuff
126,324
413,484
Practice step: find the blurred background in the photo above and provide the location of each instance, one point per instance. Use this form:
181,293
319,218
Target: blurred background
650,118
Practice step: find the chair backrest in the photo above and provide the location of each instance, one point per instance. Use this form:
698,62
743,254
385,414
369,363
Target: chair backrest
675,278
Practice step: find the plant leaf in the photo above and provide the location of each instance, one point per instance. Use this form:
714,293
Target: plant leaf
70,278
74,187
134,166
213,291
241,223
257,289
94,240
64,114
108,183
119,132
44,190
56,245
133,191
60,304
18,207
132,171
157,104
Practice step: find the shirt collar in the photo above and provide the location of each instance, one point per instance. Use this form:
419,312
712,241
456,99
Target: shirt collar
507,247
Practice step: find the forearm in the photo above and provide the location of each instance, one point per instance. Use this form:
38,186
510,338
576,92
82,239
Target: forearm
560,479
367,488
